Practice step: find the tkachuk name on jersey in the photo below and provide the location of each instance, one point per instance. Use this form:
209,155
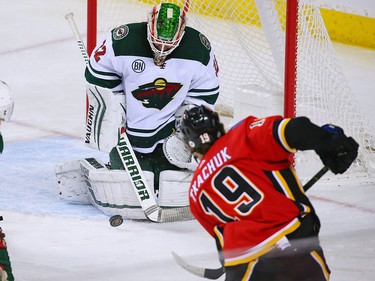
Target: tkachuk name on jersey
208,169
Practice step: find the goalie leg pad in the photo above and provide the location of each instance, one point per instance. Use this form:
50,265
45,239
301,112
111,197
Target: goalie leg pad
88,181
174,188
112,193
71,183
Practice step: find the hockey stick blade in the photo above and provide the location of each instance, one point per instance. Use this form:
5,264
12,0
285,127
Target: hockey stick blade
217,272
153,213
199,271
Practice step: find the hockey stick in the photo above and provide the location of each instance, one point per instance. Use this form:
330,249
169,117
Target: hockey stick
77,36
315,178
216,273
208,273
144,194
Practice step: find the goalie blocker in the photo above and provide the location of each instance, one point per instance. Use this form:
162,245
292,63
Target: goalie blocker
89,181
105,116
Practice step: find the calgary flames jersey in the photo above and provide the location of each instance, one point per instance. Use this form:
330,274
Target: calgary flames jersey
245,192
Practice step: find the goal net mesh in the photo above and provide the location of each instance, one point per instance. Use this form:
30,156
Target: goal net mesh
248,38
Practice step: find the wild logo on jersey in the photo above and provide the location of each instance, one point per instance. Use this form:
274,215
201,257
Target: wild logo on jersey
156,94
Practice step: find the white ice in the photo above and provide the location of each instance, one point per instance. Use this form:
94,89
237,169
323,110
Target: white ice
51,240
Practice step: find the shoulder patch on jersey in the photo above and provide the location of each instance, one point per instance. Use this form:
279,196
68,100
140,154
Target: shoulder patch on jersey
205,41
120,32
138,66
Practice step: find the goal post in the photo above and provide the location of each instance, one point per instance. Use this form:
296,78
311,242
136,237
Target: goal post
290,58
274,56
91,25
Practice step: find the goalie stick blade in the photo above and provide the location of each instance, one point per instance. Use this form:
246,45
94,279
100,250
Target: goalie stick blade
153,213
199,271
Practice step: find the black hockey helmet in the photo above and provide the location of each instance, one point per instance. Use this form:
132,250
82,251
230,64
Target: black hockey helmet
201,127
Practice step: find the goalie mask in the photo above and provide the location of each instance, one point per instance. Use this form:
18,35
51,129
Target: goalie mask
165,29
201,127
6,102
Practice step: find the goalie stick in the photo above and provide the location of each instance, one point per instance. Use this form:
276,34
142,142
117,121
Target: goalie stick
144,194
77,36
216,273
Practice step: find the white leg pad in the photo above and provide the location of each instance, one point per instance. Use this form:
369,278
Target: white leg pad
112,193
174,188
88,181
71,183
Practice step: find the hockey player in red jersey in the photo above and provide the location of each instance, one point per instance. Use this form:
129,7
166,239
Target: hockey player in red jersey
246,194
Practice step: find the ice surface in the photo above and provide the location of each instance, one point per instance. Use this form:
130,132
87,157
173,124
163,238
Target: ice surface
51,240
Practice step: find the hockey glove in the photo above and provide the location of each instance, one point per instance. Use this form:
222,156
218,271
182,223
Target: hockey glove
337,151
178,154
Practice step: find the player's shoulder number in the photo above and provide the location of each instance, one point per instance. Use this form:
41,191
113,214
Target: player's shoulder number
100,51
257,123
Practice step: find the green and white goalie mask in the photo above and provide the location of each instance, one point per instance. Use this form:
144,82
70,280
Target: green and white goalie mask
165,29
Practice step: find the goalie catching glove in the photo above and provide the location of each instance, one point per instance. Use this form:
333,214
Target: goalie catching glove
338,151
178,154
175,149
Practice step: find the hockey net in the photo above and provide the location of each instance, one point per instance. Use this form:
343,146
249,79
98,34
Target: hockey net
248,37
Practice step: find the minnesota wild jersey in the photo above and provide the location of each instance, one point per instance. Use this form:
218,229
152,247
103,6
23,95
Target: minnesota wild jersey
124,62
